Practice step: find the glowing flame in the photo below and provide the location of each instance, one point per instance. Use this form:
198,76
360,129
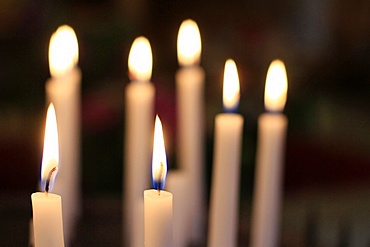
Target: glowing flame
50,157
63,51
140,60
189,44
276,86
231,90
159,160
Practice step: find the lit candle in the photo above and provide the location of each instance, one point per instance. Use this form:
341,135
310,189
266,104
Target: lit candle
47,207
224,204
269,161
138,130
63,89
190,104
157,202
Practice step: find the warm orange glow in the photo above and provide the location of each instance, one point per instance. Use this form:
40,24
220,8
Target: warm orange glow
189,44
276,86
159,161
63,51
140,60
50,157
231,90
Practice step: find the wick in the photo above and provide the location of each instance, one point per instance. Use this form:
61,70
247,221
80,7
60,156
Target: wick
47,184
160,178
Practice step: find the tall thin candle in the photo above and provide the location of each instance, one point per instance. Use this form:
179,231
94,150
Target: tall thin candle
190,105
63,89
139,99
47,207
224,204
269,161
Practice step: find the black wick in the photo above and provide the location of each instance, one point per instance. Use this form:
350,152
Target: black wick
47,184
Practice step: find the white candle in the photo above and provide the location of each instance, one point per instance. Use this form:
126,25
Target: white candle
157,202
190,109
63,89
138,130
269,161
224,204
177,183
47,207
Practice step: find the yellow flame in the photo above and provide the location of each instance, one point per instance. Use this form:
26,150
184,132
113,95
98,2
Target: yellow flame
63,51
140,59
189,44
231,90
159,161
276,86
50,157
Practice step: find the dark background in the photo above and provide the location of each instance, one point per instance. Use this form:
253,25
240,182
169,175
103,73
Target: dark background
325,45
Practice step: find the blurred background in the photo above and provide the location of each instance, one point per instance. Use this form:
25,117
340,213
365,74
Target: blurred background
325,45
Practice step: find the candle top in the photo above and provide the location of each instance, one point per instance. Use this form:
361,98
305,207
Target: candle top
63,51
189,44
140,60
231,88
159,159
276,87
50,157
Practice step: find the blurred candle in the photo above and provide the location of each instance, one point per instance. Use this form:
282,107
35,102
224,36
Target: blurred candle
63,89
157,202
139,116
224,203
47,207
190,108
269,161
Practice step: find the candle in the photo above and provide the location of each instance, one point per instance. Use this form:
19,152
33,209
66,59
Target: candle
190,106
269,161
63,89
139,99
157,202
224,204
47,207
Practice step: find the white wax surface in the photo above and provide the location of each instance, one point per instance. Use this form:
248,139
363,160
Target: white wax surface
47,220
190,152
158,219
176,182
139,122
224,203
265,225
64,93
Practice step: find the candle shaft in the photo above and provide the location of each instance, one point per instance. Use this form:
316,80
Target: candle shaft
268,177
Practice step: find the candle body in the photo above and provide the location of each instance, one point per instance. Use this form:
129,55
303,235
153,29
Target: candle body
268,180
64,93
158,219
190,103
224,204
47,220
176,182
137,156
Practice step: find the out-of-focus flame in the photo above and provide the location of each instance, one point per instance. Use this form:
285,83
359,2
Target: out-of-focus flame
189,44
231,89
63,51
276,87
140,60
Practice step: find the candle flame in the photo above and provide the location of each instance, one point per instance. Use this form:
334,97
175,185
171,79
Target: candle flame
276,86
63,51
159,160
189,44
231,89
140,60
50,157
